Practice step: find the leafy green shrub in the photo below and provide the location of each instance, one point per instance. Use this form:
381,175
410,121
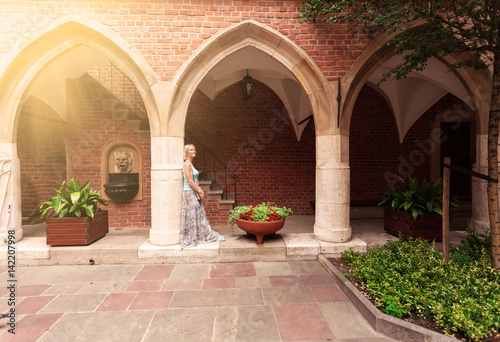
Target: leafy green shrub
409,277
72,200
474,247
415,198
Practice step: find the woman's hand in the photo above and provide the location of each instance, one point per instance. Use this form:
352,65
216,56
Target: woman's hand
202,194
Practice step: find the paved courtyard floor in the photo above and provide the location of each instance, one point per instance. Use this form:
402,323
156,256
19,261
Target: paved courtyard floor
60,296
254,301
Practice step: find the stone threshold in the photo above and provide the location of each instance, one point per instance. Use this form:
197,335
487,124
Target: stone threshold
120,248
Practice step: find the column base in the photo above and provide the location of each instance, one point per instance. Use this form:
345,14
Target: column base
333,234
163,238
479,225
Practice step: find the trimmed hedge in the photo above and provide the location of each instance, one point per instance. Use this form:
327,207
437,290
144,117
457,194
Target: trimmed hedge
406,278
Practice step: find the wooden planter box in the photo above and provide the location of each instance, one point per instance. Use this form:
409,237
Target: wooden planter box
77,230
427,226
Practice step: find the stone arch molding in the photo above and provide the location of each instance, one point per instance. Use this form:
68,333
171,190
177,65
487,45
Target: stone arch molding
29,58
476,82
236,37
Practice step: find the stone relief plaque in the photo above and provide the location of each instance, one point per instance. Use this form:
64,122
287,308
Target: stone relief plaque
124,162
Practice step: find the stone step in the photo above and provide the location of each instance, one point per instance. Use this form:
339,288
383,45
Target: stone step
205,185
214,195
133,125
120,114
119,248
108,103
226,204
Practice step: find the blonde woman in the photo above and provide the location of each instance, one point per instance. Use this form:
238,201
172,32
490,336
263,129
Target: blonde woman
194,222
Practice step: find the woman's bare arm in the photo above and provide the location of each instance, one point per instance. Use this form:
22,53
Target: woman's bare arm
189,178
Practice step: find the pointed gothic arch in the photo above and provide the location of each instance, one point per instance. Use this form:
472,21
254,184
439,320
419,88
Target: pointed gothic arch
232,39
59,37
378,52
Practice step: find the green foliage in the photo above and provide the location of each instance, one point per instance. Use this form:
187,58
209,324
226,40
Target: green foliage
71,200
410,277
446,27
266,211
415,198
475,246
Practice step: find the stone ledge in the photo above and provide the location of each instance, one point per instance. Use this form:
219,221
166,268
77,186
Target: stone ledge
301,246
382,323
174,254
334,249
32,251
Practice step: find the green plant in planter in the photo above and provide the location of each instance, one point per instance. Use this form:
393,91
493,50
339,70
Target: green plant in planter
72,200
264,212
416,198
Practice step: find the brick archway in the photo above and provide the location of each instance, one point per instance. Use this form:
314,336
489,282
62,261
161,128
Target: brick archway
64,35
232,39
21,67
378,52
478,89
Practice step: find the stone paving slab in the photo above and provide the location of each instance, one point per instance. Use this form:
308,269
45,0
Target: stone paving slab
251,301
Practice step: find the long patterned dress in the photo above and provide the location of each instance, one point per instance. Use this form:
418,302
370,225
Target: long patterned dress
195,227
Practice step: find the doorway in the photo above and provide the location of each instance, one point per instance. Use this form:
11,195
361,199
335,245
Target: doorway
457,146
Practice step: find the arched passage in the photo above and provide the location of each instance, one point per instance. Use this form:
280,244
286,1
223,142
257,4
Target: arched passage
64,35
257,35
23,66
475,94
475,82
331,206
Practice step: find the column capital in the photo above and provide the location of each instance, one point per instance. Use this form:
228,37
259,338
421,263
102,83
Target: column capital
332,150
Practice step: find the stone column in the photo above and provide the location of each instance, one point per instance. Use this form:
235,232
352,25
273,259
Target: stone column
10,193
332,189
166,190
480,217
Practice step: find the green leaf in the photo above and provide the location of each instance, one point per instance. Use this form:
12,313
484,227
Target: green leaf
75,196
408,205
85,186
74,185
439,211
414,213
63,213
89,211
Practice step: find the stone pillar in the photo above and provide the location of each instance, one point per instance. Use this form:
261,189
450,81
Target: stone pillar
166,190
332,189
480,217
10,193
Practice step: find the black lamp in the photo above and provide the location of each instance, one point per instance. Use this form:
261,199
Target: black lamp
247,86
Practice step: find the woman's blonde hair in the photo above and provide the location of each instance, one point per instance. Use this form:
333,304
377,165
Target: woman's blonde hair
186,150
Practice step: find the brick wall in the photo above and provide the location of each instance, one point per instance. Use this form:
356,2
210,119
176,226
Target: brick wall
167,32
92,128
120,86
42,152
375,153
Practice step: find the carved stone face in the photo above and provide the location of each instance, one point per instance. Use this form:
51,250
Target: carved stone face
124,161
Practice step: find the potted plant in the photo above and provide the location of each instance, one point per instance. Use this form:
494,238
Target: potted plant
414,209
73,216
260,220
